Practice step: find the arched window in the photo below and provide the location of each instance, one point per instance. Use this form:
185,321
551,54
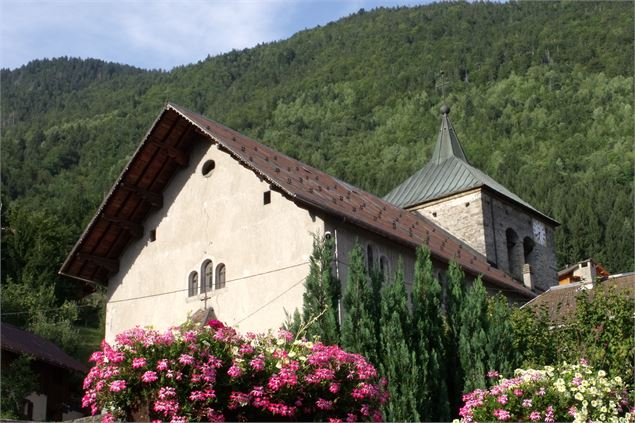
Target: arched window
384,267
528,248
220,276
207,270
370,261
192,284
514,254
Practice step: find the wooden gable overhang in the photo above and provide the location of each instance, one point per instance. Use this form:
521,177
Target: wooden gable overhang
166,148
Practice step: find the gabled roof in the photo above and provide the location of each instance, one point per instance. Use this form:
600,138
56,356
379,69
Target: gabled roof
22,342
166,147
448,172
559,302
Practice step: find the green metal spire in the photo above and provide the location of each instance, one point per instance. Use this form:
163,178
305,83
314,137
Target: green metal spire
448,172
447,142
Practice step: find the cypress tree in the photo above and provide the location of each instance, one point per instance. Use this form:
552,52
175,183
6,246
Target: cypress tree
501,354
358,328
428,338
398,360
454,300
473,336
322,294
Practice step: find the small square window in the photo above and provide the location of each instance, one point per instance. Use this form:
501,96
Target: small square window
266,198
153,235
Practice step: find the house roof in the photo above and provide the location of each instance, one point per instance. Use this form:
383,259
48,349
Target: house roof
600,270
560,301
22,342
448,172
166,147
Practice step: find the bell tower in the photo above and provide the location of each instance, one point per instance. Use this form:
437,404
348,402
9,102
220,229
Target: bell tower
509,232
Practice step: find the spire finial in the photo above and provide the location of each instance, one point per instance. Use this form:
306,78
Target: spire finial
445,109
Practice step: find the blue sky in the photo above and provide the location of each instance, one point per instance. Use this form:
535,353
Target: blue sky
157,33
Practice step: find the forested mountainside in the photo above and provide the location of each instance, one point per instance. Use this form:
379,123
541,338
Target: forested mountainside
541,96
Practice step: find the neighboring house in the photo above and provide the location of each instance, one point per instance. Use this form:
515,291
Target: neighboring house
57,374
559,302
204,217
584,271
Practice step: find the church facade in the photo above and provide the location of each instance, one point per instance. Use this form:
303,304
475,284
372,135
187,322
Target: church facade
205,218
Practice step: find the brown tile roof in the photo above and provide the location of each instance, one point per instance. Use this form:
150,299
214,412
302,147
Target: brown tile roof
167,146
22,342
559,301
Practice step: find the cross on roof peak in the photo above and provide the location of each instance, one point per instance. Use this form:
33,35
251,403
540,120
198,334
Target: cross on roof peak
442,82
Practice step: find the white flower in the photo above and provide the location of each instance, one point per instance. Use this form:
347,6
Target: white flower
601,373
579,397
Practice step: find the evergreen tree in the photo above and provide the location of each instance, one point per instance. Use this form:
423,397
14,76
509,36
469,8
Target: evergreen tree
322,294
428,338
501,355
454,299
358,327
398,360
473,337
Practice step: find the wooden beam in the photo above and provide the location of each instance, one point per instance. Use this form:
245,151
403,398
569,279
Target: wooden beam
135,229
175,154
111,265
154,198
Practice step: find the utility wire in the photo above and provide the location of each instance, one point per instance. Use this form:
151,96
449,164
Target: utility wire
228,281
271,301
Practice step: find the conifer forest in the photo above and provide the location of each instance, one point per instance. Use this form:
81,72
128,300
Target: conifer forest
541,96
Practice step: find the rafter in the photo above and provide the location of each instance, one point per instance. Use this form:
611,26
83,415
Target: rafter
154,198
135,229
175,154
109,264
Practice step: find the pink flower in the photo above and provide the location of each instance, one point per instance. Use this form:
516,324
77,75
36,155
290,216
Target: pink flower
541,392
502,399
584,362
162,364
535,416
108,418
257,364
166,392
215,324
501,414
234,371
518,392
186,359
527,403
549,415
323,404
149,376
138,362
572,411
492,374
334,388
117,385
351,417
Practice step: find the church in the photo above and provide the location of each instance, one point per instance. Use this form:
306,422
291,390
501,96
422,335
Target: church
205,219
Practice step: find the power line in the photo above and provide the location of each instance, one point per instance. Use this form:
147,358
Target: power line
229,281
271,301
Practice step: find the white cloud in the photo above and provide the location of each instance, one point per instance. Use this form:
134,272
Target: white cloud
155,33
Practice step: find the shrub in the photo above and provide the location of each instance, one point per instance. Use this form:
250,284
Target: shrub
214,374
567,393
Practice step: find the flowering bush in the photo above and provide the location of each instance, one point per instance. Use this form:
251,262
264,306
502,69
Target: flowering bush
567,393
215,374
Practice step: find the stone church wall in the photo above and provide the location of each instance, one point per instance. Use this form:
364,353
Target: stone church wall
461,215
501,215
223,218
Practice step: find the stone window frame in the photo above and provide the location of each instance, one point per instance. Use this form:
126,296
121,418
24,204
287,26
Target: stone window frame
221,276
207,285
192,283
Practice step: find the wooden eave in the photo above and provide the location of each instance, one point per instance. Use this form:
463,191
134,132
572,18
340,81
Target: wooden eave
150,170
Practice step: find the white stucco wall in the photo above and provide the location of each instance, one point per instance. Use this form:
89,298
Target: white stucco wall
265,249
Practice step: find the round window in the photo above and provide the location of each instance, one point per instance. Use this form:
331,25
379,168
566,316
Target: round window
208,167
